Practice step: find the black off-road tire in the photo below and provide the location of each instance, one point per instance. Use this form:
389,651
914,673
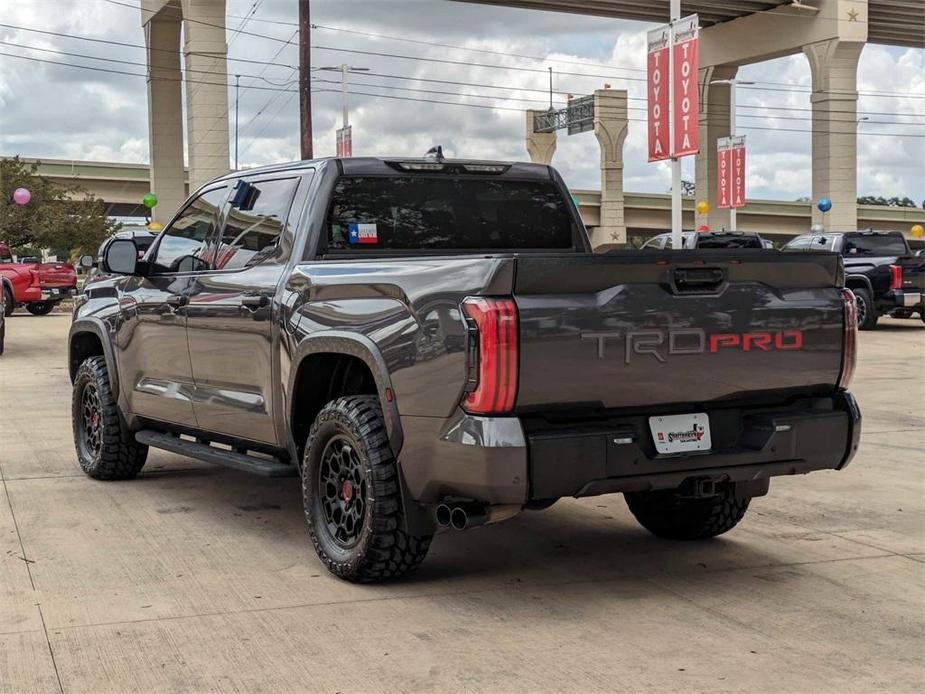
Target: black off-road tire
40,308
110,452
867,310
666,514
8,305
381,550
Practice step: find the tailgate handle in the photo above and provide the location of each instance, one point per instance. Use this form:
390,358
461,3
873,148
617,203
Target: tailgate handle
698,280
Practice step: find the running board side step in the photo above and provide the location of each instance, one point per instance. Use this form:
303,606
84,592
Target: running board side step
264,467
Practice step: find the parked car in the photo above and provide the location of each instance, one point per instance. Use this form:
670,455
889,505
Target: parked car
431,345
710,239
879,269
37,286
2,320
141,235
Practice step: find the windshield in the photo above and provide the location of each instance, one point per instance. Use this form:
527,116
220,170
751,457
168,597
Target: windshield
874,244
447,213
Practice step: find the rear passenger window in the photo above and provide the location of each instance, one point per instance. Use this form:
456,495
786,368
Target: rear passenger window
798,244
446,212
257,217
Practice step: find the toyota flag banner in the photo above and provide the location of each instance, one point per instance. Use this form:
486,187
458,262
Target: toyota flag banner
730,175
723,171
686,93
345,142
737,156
658,72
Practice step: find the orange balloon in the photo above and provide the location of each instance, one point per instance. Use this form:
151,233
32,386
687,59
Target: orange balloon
917,231
703,207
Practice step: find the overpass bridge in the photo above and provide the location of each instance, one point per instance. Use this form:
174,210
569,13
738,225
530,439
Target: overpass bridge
121,187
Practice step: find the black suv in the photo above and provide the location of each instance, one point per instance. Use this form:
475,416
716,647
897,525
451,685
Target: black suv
880,269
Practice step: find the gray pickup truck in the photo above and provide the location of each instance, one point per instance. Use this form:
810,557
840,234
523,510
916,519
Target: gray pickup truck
431,345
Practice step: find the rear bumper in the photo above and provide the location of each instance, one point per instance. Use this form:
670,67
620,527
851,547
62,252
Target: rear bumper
31,294
512,461
899,298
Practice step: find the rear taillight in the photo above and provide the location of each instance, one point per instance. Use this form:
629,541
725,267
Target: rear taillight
896,277
849,356
492,381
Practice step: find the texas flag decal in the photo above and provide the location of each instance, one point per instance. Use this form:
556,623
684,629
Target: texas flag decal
363,234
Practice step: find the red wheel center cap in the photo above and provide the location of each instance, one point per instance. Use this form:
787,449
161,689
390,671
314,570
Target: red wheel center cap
346,490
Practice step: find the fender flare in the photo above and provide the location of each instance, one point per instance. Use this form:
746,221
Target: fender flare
95,326
354,345
862,279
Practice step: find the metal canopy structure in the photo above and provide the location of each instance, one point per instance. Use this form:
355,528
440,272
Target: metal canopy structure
891,22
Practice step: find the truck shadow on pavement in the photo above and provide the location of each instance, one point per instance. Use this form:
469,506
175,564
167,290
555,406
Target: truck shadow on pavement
572,542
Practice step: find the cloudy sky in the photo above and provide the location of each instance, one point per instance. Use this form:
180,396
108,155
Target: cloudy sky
494,66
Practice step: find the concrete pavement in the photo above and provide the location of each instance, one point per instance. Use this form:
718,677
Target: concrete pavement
196,578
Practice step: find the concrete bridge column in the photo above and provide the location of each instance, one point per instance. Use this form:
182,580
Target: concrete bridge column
610,127
834,67
714,124
540,146
206,91
165,112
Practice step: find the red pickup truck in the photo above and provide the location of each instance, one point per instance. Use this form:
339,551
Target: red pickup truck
37,286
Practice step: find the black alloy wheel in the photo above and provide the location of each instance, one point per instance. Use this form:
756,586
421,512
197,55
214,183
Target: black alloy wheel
343,491
90,422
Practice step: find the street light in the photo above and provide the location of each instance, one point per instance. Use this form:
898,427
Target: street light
732,83
344,71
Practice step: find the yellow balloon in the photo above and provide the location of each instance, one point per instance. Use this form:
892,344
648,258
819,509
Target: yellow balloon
155,226
918,231
703,207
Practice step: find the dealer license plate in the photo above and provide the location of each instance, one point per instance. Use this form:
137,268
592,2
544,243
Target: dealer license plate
681,433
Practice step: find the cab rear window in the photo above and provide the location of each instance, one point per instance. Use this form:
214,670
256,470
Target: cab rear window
874,244
445,212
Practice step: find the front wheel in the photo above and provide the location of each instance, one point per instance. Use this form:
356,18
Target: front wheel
867,311
8,305
40,308
665,513
106,448
352,495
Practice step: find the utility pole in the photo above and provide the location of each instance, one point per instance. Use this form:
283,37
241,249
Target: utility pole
237,82
305,79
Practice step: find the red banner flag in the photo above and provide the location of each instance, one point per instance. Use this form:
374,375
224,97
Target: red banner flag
345,141
657,92
723,174
737,179
686,93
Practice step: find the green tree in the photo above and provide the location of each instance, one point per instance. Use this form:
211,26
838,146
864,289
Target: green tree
61,218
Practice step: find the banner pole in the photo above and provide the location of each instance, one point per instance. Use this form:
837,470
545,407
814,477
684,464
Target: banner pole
676,211
732,130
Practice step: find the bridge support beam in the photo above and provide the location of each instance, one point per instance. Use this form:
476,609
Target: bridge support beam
834,66
206,55
610,126
831,36
714,124
540,146
165,111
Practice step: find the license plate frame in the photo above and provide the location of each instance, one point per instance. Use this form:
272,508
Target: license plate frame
678,434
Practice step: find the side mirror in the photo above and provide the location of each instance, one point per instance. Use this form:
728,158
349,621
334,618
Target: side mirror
85,262
121,257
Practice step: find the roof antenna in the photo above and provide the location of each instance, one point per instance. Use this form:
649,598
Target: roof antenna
435,153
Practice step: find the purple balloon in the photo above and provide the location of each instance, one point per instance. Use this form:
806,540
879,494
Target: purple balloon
22,196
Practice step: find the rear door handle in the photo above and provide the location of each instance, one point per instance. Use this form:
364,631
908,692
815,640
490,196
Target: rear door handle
256,301
177,300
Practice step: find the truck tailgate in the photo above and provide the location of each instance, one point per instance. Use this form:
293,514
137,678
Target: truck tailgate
641,329
57,275
913,274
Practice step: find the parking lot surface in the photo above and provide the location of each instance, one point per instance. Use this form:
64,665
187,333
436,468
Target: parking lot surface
197,578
